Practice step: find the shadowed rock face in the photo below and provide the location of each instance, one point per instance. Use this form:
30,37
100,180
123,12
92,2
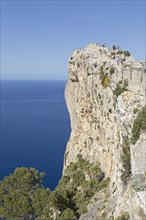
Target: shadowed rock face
102,92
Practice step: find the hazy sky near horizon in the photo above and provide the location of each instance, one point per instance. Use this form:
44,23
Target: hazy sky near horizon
37,37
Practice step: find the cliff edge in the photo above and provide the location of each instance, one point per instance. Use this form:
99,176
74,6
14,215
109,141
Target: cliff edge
105,94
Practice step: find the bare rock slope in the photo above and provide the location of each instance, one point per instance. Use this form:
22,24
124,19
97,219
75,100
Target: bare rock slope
104,93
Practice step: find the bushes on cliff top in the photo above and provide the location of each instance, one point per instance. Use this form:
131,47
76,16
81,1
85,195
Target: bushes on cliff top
126,53
120,52
138,125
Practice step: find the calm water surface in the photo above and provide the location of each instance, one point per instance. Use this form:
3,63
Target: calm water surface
35,127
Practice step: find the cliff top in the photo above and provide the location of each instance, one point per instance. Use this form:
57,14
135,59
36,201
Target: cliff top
95,50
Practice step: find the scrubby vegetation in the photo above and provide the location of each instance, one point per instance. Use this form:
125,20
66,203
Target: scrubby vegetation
120,52
105,81
112,70
22,195
138,125
80,182
113,53
126,162
123,216
126,53
121,87
135,110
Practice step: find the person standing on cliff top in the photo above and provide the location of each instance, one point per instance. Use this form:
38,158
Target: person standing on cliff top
118,60
118,47
114,47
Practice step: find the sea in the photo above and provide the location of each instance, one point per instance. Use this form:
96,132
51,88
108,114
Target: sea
35,127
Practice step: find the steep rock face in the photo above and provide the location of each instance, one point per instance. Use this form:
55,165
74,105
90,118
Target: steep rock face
104,88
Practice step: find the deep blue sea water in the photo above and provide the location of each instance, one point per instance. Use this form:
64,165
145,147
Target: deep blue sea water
35,127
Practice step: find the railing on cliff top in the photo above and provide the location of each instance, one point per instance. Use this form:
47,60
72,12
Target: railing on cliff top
130,66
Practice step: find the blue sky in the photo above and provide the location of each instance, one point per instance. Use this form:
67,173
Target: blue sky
37,37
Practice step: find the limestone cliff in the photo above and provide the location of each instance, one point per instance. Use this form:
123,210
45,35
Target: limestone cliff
104,92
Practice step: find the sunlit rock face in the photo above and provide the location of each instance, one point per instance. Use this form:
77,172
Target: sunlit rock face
103,91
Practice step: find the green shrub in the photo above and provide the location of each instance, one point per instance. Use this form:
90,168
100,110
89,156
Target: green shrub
121,87
138,124
126,162
120,52
68,214
112,70
22,194
123,216
101,68
121,81
123,59
104,183
80,182
79,156
113,53
126,65
135,110
126,53
97,138
105,81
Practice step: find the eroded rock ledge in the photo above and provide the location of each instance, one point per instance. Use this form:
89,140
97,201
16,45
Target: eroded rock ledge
104,92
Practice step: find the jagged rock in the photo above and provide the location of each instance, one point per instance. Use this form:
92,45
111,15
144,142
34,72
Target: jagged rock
101,118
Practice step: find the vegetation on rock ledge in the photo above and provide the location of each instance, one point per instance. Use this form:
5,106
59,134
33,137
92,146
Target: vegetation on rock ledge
138,125
121,87
105,81
123,216
80,182
126,161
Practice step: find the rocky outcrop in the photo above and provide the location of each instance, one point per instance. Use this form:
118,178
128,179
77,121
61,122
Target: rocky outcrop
105,87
